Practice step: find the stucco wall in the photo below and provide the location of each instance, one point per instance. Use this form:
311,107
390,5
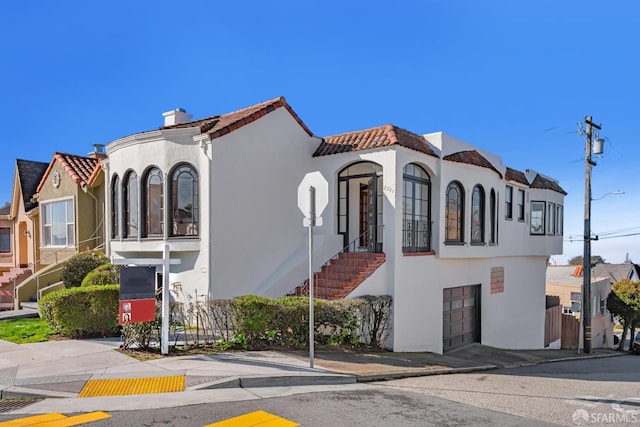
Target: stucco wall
256,223
164,150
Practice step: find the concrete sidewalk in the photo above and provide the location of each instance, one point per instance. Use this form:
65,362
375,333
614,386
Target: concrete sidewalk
54,373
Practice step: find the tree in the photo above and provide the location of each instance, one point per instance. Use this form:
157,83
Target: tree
577,260
624,302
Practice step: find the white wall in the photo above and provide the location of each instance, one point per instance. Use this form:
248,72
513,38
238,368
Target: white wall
256,223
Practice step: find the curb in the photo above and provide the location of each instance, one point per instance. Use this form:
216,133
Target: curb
421,373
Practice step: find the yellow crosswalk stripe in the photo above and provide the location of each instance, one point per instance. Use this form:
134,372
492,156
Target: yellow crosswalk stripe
28,421
257,419
74,420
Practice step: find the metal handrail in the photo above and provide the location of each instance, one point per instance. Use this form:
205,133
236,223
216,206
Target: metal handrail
32,266
348,268
65,248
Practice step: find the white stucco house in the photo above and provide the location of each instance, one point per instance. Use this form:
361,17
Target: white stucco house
458,239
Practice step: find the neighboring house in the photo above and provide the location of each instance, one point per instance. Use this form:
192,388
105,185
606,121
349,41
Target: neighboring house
566,281
71,199
19,251
458,239
617,272
70,195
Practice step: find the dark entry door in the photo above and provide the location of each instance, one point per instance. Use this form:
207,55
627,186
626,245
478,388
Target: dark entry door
461,316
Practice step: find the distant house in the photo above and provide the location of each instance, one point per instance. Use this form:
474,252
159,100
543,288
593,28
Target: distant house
459,240
617,272
566,281
70,197
19,251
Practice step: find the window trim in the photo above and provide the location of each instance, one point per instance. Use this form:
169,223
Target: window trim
145,202
478,191
115,207
171,202
521,204
531,222
559,220
508,202
126,206
424,180
459,239
43,224
493,218
8,233
551,219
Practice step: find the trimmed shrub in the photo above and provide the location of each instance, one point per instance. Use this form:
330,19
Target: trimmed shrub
106,274
78,266
83,311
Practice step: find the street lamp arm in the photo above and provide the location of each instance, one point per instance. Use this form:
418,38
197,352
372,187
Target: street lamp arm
608,194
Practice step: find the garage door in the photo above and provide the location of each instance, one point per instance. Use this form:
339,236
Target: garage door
461,316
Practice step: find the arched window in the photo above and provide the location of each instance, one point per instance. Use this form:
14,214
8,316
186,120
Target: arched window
454,214
184,201
130,199
115,207
416,209
153,203
477,215
493,216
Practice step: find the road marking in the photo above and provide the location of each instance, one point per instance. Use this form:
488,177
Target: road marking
56,420
27,421
126,386
257,418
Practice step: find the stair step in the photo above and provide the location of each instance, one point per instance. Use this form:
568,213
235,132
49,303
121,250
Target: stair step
342,274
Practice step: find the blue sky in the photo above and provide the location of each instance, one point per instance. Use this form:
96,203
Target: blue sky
512,77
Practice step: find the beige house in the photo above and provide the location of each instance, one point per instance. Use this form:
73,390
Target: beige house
565,282
70,199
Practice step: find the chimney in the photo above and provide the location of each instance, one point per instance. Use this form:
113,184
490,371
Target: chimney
98,152
175,117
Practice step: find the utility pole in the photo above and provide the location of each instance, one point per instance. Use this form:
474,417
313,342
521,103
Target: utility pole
586,261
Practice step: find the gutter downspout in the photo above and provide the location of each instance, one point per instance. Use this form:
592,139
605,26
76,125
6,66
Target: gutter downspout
85,189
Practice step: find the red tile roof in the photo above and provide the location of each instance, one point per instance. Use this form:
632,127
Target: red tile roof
516,176
217,126
82,170
368,139
471,157
545,183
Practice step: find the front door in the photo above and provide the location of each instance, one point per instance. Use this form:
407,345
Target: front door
23,245
360,201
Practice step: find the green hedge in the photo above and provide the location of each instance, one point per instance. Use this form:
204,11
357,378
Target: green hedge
82,312
79,265
106,274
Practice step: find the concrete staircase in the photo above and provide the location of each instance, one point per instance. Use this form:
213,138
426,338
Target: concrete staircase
341,275
7,280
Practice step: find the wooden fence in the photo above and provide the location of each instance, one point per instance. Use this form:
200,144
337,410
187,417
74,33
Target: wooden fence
570,331
552,324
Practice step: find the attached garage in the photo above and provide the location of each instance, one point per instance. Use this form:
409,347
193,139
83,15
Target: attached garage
461,316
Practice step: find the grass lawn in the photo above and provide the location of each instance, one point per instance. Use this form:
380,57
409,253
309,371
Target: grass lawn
23,331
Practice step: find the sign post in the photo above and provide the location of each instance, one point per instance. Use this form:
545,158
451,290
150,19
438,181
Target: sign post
312,223
313,197
165,262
